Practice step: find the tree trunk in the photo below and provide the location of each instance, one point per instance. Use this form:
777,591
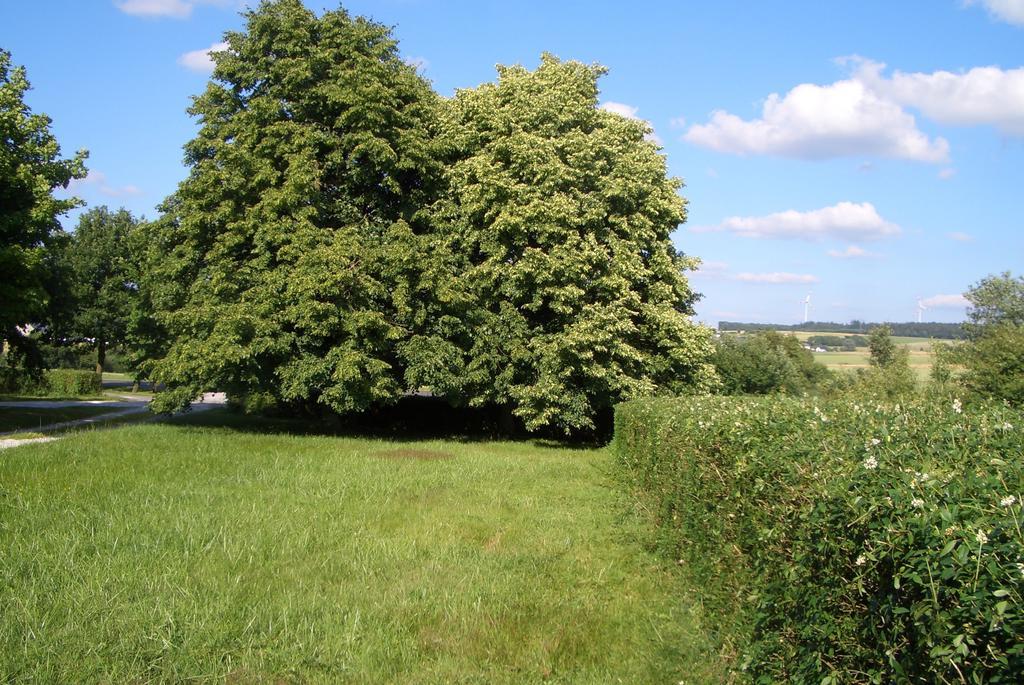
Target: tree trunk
101,355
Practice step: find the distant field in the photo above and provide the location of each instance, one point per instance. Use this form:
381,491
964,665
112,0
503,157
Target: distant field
920,350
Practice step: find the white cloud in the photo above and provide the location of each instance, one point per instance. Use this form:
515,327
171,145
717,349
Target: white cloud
946,302
1010,11
677,122
630,112
98,180
981,96
844,221
711,270
176,9
200,60
947,173
777,278
960,237
621,109
815,122
851,252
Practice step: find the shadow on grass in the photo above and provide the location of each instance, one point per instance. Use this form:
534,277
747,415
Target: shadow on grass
411,419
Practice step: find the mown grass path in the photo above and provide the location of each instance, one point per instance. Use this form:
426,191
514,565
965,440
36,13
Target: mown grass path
161,553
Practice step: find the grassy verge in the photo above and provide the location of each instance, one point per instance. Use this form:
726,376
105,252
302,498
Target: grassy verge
22,418
172,552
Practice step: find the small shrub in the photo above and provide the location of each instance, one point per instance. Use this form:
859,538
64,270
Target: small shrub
844,541
73,382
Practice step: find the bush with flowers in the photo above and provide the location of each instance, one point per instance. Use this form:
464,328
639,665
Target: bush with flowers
842,541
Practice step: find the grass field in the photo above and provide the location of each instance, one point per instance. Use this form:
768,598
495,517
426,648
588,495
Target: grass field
23,418
920,350
168,553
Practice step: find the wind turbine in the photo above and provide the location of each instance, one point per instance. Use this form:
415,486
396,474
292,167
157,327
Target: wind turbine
807,306
920,309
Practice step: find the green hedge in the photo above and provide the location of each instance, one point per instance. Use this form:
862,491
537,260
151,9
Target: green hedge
842,541
73,382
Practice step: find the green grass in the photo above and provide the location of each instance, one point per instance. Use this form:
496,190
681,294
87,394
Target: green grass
920,361
23,418
174,552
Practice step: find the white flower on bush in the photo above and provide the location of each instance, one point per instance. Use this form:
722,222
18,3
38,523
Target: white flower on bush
981,537
1008,501
1020,567
861,561
1007,426
917,503
875,442
870,463
957,407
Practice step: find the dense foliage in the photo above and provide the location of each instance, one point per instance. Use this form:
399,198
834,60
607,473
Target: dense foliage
993,358
31,169
52,382
73,382
764,363
345,236
995,300
278,265
560,290
843,542
104,278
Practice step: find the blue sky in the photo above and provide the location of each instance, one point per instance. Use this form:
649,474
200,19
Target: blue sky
866,153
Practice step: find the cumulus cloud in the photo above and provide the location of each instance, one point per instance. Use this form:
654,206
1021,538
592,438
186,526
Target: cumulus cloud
176,9
200,60
947,173
630,112
981,96
98,180
945,302
816,122
1010,11
621,109
851,252
847,221
960,237
777,278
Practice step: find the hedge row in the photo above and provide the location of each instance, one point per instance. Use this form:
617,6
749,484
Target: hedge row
843,542
69,382
73,382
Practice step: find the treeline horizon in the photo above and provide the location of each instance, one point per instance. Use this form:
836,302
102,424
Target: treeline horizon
910,329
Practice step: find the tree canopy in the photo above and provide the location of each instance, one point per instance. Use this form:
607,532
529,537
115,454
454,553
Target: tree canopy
345,236
994,357
995,300
31,169
276,270
104,278
562,291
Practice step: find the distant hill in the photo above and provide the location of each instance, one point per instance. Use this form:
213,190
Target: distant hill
944,331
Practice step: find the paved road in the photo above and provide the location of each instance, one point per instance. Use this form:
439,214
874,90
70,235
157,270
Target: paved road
123,407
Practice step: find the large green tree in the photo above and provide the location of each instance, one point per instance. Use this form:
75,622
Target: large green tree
31,169
557,287
104,278
279,264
